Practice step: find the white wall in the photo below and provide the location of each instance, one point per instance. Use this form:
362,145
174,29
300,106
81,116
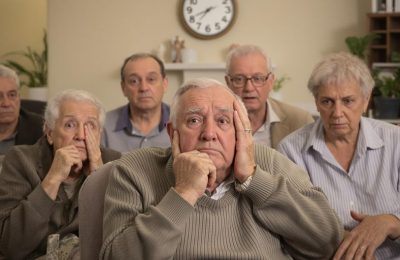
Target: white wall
88,40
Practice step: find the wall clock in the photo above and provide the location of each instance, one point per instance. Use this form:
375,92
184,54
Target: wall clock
208,19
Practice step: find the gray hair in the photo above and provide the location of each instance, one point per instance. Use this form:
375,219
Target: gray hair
243,50
199,83
52,111
139,56
6,72
339,68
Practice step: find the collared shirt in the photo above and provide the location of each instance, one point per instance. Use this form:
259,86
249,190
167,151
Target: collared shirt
7,143
119,133
223,187
263,134
372,184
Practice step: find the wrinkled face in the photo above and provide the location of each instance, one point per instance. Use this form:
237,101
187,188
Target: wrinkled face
9,101
205,123
251,65
143,84
341,107
69,127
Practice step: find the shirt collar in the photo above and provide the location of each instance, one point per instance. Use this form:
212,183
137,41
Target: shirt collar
271,117
223,187
367,137
124,121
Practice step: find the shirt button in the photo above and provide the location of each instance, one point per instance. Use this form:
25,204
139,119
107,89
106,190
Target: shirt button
351,204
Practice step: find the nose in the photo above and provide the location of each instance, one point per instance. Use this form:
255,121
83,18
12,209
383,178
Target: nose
338,110
5,101
248,85
208,132
80,133
143,86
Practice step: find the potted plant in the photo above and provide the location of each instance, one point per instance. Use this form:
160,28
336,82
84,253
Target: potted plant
278,84
34,77
386,96
358,45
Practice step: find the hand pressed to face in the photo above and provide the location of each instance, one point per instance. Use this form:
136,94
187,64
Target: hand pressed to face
206,137
77,127
76,140
194,172
244,164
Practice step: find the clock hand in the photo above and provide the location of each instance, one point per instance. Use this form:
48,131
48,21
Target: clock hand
205,11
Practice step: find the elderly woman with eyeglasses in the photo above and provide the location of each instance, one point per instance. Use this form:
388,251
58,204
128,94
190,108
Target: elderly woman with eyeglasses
355,160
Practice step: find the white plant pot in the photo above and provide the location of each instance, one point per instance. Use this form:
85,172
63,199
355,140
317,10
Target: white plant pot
276,95
38,93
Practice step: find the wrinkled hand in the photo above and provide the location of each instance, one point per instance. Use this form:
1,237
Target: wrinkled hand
244,165
66,160
194,172
364,239
93,149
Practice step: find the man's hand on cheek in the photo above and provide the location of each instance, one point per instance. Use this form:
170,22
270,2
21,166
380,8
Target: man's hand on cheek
244,164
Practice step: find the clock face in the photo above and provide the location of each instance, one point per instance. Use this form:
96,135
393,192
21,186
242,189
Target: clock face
208,19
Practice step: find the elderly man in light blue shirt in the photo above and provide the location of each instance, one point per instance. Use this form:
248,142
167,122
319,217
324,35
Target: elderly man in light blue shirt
355,160
142,122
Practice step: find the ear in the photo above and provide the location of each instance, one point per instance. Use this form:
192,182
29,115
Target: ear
165,83
123,88
271,80
49,135
227,80
170,130
366,103
316,103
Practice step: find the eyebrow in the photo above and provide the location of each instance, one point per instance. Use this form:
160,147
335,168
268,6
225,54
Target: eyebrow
196,110
74,117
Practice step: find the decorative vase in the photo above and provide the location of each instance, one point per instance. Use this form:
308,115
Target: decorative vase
38,93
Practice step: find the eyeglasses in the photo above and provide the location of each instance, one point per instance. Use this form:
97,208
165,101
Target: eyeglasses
239,81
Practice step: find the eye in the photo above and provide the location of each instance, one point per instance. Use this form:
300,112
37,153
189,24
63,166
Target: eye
133,81
152,79
326,102
238,79
258,79
348,101
224,122
70,125
194,121
12,95
92,125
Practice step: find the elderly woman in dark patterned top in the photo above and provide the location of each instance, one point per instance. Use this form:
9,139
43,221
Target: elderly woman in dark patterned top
39,183
355,160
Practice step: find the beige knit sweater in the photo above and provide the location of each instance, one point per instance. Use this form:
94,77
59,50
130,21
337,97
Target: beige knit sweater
279,215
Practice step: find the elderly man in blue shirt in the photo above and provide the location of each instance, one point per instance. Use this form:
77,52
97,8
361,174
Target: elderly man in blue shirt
140,123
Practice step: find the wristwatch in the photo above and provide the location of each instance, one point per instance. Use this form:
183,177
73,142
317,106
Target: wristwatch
243,186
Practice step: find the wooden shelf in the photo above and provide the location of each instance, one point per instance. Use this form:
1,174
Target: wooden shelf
387,27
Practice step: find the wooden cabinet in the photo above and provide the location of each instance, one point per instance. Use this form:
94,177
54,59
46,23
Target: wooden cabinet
387,26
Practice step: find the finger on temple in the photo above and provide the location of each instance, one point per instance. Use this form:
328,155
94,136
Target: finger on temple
175,144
